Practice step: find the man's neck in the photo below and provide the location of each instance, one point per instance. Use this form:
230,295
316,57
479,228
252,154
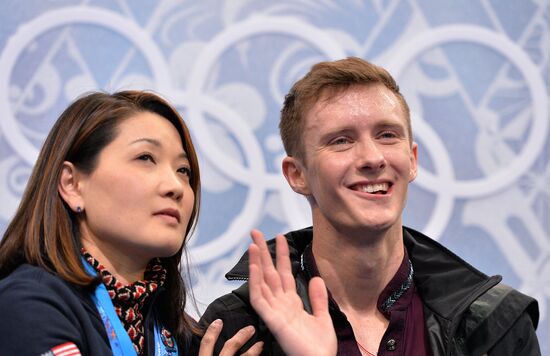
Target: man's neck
356,267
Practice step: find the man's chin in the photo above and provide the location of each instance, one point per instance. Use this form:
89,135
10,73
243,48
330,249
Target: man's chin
374,226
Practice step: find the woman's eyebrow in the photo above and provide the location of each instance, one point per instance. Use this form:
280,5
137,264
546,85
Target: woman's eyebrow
152,141
157,143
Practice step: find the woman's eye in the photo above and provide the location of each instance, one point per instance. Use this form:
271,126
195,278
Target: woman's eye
185,170
146,157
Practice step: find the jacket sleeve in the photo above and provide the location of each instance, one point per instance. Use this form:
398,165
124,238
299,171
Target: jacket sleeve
500,322
520,339
235,313
34,318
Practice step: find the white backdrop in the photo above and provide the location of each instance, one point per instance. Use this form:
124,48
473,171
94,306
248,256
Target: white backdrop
476,74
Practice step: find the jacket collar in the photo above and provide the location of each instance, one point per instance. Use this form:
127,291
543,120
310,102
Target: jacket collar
297,242
446,283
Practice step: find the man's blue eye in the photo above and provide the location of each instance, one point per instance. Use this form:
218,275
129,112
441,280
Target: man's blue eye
340,141
388,134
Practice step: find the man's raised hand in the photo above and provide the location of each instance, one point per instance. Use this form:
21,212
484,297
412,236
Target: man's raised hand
273,296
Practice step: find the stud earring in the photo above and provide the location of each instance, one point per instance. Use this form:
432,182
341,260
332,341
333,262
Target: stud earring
78,209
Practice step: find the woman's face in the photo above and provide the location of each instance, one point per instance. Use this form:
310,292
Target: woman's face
138,200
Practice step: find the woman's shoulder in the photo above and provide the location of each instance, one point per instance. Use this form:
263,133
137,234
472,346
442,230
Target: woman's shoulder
40,311
27,273
28,282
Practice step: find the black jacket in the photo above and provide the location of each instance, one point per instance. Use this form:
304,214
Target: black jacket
466,312
39,310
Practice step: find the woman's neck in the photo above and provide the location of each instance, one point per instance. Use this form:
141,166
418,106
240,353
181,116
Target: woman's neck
125,268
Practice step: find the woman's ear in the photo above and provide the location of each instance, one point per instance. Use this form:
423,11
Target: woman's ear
69,187
294,173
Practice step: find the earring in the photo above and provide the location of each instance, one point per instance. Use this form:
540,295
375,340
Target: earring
78,209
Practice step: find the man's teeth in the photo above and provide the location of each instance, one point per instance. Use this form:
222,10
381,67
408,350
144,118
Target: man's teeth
373,188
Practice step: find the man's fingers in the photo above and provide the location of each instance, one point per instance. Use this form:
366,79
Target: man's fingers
318,296
270,275
258,239
233,345
260,294
283,264
254,259
210,337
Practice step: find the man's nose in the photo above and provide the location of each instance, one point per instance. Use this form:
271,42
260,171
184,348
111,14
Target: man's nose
370,156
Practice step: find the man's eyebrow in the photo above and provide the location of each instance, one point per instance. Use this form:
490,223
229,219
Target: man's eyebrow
157,143
337,131
391,125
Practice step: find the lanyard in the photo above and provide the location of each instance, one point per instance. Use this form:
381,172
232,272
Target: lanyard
162,347
121,345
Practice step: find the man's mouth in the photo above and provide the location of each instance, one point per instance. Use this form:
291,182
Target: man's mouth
374,188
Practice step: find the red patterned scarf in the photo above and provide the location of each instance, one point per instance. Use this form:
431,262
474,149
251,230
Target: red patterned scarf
129,300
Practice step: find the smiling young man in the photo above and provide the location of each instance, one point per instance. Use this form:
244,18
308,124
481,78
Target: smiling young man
392,291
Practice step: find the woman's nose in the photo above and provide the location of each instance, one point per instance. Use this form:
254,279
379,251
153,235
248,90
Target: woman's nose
172,185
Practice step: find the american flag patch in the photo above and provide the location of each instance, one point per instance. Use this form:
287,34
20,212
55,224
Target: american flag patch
66,349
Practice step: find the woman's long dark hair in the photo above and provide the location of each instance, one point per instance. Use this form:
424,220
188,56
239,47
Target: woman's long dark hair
44,231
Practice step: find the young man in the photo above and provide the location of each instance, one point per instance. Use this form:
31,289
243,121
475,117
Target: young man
391,290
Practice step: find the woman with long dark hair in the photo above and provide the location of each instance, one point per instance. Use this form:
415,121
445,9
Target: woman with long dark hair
90,263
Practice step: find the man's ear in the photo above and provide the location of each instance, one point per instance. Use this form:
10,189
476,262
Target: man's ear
414,162
294,173
69,187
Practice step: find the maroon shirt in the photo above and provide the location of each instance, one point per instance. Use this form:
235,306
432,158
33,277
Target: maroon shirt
399,302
